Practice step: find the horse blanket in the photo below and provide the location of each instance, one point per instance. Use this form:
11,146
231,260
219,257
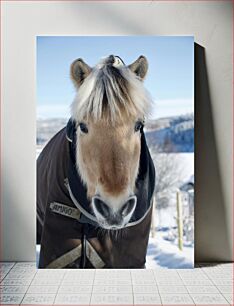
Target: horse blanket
68,231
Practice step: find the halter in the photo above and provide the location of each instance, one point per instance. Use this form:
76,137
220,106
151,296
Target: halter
118,62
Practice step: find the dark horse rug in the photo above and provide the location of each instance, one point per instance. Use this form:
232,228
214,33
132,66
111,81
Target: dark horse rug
67,229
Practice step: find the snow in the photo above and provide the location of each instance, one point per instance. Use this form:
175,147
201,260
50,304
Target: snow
186,163
38,249
163,249
38,151
167,217
165,254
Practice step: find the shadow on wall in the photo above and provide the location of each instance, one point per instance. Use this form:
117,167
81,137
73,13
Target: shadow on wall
212,241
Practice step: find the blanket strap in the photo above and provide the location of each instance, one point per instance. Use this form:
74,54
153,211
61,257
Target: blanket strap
75,253
93,256
65,259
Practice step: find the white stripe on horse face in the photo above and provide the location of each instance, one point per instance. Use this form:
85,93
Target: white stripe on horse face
114,202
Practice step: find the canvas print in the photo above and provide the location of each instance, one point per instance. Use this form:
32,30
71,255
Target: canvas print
115,152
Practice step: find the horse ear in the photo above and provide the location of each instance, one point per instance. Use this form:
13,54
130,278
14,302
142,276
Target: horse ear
79,71
139,67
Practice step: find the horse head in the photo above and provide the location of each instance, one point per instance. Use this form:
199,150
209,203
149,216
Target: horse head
109,111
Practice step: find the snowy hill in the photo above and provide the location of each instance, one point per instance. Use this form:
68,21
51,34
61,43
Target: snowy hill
47,128
172,134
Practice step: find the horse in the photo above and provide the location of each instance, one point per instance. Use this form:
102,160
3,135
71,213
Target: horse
95,177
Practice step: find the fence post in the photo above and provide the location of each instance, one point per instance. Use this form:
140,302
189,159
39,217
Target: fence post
179,220
153,217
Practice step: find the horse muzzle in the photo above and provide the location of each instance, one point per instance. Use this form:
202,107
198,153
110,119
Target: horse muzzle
111,219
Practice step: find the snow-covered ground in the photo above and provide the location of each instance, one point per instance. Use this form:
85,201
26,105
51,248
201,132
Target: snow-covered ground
165,254
163,249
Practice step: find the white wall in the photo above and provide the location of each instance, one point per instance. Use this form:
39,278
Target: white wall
211,24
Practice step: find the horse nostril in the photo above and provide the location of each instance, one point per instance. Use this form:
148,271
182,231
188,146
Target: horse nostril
101,207
129,206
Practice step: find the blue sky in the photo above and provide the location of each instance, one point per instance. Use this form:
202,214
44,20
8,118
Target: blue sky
170,78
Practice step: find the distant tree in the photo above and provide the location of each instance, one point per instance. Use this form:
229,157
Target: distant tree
167,145
169,175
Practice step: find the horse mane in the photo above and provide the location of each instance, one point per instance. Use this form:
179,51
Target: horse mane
112,93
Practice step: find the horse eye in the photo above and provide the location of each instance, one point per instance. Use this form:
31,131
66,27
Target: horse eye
83,128
138,126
